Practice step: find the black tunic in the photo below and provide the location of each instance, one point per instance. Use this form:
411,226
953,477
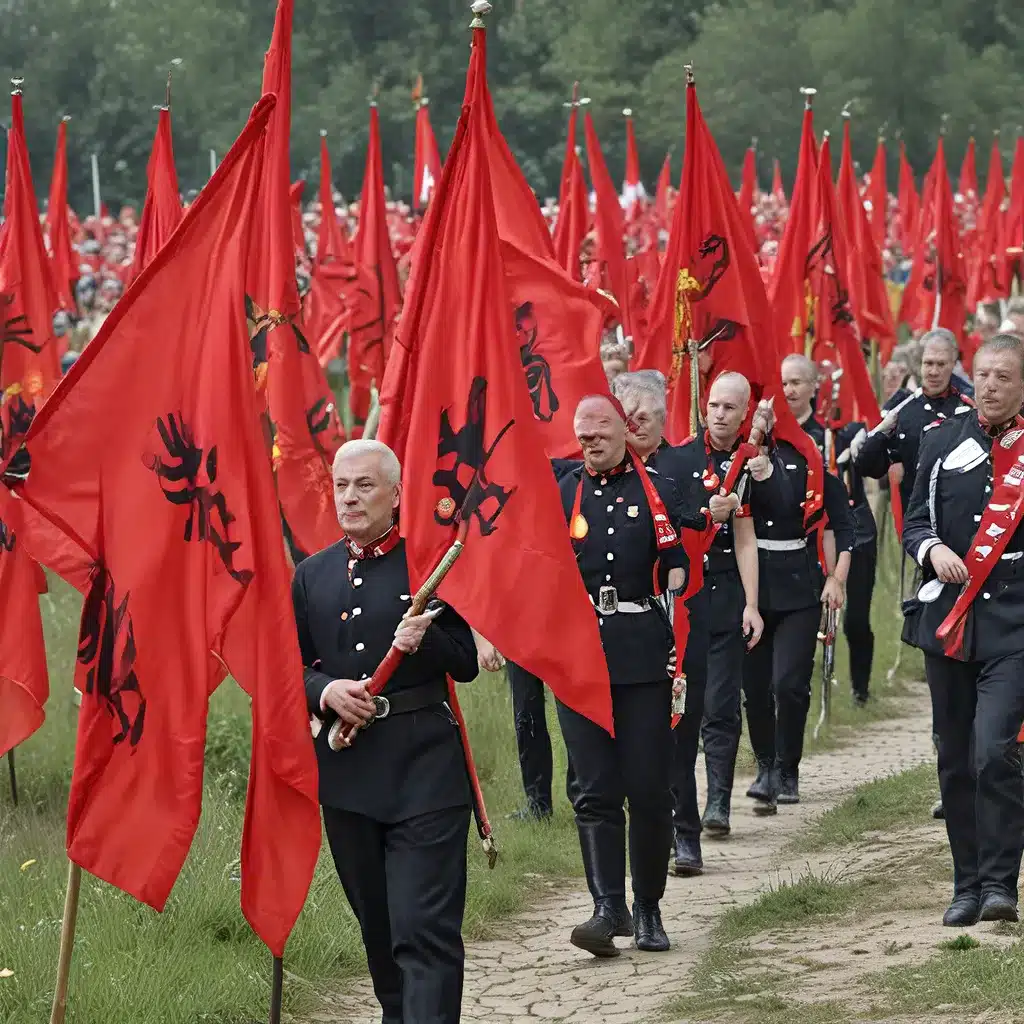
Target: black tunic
790,580
406,764
620,550
946,507
860,511
903,444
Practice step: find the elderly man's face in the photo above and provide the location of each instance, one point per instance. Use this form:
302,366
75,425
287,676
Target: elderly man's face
936,368
998,385
601,433
363,498
893,376
648,419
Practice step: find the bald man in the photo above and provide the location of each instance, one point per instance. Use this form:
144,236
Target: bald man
618,514
396,803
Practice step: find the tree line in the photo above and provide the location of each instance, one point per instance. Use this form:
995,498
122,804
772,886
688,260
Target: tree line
902,64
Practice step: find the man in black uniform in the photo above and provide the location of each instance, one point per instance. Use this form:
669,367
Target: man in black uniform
396,803
898,443
799,381
642,394
962,528
624,522
791,589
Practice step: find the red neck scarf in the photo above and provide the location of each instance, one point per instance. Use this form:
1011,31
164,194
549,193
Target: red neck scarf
998,524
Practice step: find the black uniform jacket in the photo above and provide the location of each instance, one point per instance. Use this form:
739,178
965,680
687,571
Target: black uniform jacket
405,764
883,450
946,506
860,511
620,550
791,580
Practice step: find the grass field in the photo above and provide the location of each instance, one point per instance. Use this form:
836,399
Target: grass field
198,962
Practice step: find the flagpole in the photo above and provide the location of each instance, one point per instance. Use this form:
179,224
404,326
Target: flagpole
14,776
213,162
94,159
277,991
67,943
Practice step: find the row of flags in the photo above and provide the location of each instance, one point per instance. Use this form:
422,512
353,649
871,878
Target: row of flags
164,462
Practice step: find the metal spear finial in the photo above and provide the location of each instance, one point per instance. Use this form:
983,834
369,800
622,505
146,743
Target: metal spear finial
808,94
176,62
753,143
480,8
323,133
627,111
584,101
881,131
374,92
689,73
943,124
17,83
66,118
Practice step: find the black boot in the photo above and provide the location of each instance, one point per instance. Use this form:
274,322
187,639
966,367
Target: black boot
647,926
938,811
603,846
716,817
759,789
789,786
688,860
769,803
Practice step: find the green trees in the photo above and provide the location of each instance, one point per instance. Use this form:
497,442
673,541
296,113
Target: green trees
902,63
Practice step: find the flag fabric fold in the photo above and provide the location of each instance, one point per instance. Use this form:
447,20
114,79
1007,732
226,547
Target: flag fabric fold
573,206
456,411
427,167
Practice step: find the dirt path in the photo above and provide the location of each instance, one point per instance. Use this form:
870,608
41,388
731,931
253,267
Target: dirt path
535,974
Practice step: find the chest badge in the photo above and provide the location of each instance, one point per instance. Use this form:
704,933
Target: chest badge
446,508
633,511
579,528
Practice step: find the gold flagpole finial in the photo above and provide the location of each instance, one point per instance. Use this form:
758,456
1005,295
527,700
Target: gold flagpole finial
16,84
480,9
808,94
689,73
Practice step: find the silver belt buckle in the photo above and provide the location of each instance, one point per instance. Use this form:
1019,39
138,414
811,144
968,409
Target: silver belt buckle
382,708
607,600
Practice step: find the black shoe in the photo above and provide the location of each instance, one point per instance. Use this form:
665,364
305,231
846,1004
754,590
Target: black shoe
962,912
789,788
623,918
595,935
998,906
860,698
647,926
533,812
716,820
768,804
938,811
688,861
760,789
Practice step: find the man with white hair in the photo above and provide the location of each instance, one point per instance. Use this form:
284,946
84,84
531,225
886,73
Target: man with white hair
396,801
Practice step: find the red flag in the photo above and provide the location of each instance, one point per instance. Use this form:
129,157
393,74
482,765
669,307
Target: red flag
28,348
608,221
661,194
455,411
174,502
558,321
968,184
307,431
791,299
633,192
878,195
63,261
1013,236
748,189
986,277
778,190
162,211
573,206
427,171
868,293
710,288
836,336
332,244
298,231
24,683
909,203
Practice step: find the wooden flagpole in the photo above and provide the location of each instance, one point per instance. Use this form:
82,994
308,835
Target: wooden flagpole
67,943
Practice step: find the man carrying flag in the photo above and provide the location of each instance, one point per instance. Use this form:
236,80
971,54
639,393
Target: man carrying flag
962,528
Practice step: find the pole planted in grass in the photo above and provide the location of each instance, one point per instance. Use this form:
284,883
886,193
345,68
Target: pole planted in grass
67,943
14,776
276,991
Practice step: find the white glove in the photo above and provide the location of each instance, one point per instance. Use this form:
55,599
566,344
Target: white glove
851,453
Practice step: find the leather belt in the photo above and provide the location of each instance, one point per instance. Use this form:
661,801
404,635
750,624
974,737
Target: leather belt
609,603
416,698
797,544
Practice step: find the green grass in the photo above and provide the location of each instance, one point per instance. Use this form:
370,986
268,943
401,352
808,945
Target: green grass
878,806
198,962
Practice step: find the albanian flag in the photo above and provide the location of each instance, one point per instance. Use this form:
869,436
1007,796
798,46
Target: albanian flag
63,259
152,460
878,194
986,277
456,411
24,683
427,167
573,205
162,212
710,288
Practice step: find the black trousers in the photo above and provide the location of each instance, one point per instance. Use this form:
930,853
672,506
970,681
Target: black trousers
406,884
532,738
777,685
633,767
860,586
727,648
977,708
686,812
